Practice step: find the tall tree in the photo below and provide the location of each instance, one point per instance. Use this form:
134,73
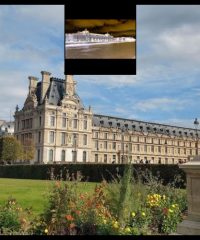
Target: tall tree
10,149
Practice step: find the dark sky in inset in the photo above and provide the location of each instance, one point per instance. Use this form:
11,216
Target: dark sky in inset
116,27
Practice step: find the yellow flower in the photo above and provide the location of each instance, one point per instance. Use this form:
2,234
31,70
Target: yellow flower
164,197
171,211
143,214
115,225
104,221
133,214
173,205
127,230
46,230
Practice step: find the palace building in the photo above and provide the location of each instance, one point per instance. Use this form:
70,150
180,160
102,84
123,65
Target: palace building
63,130
86,36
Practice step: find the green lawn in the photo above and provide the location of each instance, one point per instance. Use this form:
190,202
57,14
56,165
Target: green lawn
31,193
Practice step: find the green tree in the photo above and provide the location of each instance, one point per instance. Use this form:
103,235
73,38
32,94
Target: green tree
28,150
10,149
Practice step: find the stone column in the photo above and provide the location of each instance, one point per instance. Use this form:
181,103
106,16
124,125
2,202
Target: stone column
191,225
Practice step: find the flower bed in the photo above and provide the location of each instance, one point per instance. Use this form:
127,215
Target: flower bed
123,207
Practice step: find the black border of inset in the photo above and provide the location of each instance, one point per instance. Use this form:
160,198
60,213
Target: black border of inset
100,10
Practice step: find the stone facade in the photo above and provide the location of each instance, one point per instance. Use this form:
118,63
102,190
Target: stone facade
55,120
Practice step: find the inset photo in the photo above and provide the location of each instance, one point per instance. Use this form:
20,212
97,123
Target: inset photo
100,39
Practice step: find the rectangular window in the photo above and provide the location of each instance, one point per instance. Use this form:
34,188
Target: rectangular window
96,158
96,144
159,149
185,151
52,121
145,148
84,156
64,122
74,139
106,135
130,147
74,156
63,138
40,121
178,150
105,145
114,145
39,137
152,148
96,134
85,124
51,137
114,158
23,124
105,158
63,155
31,123
38,155
75,123
84,139
166,150
129,138
114,136
138,147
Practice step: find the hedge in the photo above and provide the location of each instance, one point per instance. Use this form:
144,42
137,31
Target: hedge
92,172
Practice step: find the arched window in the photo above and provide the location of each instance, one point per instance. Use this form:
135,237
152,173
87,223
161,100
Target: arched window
63,155
51,155
84,156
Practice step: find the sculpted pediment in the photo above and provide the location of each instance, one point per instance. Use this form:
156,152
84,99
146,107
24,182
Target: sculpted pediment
69,103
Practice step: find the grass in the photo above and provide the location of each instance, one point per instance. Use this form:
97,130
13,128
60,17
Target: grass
32,193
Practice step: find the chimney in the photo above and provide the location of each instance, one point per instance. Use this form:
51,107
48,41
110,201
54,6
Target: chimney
45,84
32,84
70,84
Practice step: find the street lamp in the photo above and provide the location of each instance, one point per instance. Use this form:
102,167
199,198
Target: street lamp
196,124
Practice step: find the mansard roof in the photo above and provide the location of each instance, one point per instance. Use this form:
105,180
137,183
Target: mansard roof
142,126
55,92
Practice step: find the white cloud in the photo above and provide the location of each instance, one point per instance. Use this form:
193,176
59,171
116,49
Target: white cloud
110,81
161,104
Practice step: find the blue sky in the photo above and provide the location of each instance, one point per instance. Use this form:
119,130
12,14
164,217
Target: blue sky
166,88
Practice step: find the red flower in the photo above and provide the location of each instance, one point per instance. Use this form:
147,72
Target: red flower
165,211
69,217
77,212
82,196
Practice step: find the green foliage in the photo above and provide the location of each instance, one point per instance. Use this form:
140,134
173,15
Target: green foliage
151,206
124,195
28,152
13,219
10,149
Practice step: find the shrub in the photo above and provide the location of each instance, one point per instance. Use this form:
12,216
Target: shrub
13,219
94,172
